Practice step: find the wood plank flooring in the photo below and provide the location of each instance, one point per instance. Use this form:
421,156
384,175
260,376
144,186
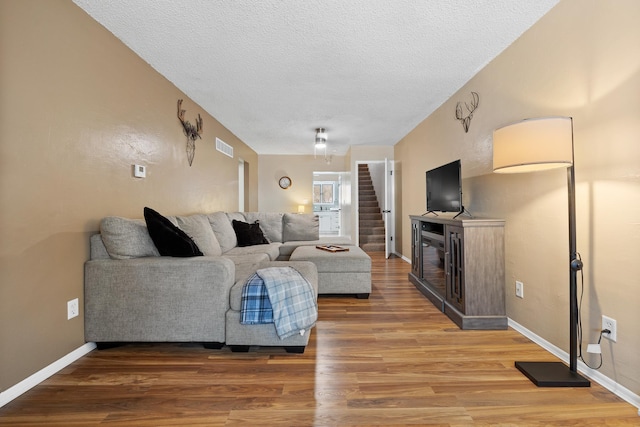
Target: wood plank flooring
391,360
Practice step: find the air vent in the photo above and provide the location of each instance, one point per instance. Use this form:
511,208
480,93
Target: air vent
224,148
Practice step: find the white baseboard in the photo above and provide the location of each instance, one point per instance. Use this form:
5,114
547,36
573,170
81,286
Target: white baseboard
44,373
606,382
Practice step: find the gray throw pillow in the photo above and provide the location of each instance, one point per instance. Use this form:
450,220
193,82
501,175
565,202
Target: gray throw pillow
198,228
270,223
300,227
222,228
127,238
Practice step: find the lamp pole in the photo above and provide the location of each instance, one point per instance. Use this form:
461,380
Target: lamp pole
575,265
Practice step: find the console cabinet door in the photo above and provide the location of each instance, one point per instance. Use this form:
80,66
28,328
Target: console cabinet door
454,265
416,249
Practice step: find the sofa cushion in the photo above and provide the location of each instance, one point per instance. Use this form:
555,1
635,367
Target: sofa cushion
198,228
238,216
126,238
300,227
246,265
222,228
168,238
248,234
272,250
270,222
97,249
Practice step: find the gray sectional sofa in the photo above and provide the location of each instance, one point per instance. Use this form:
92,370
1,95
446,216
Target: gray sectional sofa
132,294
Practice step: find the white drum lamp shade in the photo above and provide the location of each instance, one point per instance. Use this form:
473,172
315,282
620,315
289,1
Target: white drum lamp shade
533,145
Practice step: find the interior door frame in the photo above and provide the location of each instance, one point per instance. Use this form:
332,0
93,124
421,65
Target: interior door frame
388,213
389,202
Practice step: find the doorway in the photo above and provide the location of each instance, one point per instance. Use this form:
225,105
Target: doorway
331,202
375,200
243,185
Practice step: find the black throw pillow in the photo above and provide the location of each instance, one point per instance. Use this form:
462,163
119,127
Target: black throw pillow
249,234
169,239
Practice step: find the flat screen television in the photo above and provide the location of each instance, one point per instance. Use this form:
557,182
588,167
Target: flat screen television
444,188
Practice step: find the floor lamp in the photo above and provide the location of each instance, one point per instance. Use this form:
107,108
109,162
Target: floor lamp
534,145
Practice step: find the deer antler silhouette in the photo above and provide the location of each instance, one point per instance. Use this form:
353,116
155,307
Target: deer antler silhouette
466,121
192,132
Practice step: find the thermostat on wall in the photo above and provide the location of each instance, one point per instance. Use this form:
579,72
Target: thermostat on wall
139,171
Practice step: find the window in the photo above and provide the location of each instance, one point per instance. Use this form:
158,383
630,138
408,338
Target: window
323,193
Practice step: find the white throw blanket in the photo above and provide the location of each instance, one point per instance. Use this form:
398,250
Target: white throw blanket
292,298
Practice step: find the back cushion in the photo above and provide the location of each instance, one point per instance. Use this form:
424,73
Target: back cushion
238,216
198,228
97,248
270,222
222,228
126,238
300,227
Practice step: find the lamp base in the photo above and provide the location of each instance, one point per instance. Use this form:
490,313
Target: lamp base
552,374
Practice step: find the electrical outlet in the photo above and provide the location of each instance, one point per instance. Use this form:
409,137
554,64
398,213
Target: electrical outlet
72,308
519,289
610,324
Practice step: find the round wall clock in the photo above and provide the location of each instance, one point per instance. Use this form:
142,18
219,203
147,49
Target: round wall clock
284,182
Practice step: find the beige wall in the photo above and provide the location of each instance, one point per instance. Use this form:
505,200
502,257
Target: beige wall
580,60
363,153
300,169
77,110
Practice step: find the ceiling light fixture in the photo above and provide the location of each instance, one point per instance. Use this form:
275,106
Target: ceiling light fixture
320,142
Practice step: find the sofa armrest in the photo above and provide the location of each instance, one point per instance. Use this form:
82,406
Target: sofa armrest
157,299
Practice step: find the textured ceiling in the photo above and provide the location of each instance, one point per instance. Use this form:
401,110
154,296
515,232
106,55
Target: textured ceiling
272,71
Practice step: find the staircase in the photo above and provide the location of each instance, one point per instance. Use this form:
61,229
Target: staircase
371,225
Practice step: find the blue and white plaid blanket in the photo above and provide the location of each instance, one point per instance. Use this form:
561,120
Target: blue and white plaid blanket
256,307
279,295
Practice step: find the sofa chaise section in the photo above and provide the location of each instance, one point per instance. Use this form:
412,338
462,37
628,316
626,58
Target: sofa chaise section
156,299
240,337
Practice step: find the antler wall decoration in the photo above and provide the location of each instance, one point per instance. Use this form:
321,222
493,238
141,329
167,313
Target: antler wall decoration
192,132
466,121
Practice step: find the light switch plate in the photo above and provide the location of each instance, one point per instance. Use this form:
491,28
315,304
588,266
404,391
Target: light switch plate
139,171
